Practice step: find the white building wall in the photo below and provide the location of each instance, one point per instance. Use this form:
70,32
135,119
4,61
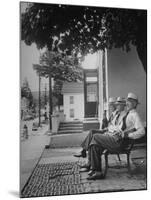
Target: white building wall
78,106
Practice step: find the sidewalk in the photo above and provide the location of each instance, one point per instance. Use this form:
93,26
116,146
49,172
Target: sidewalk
57,172
30,152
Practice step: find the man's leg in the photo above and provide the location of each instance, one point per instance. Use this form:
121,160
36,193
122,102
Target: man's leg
95,159
87,166
98,143
95,155
106,141
86,142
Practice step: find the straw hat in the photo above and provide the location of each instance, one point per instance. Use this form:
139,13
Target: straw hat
120,100
132,96
112,100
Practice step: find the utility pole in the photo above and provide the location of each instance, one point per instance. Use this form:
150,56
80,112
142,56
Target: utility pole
106,78
39,124
50,101
45,96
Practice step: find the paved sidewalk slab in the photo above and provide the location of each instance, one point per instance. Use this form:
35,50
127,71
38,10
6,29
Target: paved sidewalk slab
67,141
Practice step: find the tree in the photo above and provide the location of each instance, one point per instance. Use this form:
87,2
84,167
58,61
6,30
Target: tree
126,27
59,67
92,29
26,92
57,92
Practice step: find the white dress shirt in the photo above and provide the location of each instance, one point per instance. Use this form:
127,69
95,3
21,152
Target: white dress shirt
114,115
117,123
112,119
133,121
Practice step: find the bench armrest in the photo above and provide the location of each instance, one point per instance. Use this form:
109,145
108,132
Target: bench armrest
127,144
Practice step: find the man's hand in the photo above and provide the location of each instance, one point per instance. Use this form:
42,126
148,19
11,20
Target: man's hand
126,133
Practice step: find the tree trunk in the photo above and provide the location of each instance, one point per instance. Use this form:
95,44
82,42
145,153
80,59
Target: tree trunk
39,124
142,54
50,102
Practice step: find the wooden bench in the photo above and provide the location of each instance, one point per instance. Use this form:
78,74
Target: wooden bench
126,148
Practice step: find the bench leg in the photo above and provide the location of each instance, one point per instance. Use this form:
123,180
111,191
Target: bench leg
119,157
106,164
128,162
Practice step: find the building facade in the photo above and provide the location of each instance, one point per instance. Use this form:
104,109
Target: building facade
73,101
116,76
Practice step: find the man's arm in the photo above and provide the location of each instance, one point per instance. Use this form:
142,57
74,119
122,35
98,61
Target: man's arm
127,132
138,125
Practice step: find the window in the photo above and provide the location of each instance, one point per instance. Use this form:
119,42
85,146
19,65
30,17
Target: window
72,113
71,99
91,97
91,92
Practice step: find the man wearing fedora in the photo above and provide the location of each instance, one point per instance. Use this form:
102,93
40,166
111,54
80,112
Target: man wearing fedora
112,140
133,120
111,121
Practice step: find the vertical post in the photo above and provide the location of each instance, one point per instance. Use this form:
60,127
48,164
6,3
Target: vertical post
50,102
85,94
107,91
100,75
45,95
39,124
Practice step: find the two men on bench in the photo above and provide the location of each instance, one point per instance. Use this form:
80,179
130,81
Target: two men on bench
117,110
111,123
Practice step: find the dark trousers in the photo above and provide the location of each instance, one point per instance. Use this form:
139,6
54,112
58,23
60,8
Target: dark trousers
95,153
98,143
85,144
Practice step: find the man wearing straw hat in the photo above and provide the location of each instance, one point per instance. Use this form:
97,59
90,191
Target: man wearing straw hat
113,140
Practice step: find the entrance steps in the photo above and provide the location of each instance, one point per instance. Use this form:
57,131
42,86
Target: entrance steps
70,127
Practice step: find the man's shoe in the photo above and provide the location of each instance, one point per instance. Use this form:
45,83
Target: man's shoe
85,166
95,176
81,154
91,172
84,170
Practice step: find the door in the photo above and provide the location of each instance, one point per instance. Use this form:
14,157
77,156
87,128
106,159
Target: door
91,109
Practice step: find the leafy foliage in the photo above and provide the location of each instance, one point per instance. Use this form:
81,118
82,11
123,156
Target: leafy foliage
26,92
57,91
126,27
59,66
85,29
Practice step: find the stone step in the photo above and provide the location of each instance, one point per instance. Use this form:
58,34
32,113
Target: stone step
61,124
72,122
71,128
71,125
69,131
